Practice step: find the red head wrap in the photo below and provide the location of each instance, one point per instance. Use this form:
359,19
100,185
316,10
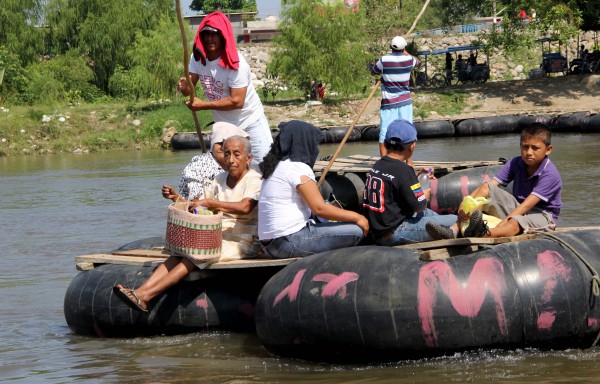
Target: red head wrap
218,20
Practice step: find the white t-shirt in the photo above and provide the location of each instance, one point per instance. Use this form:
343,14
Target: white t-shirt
239,231
216,82
281,209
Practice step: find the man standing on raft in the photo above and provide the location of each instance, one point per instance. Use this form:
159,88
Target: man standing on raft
395,69
227,83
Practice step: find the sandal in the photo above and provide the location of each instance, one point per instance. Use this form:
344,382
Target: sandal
129,297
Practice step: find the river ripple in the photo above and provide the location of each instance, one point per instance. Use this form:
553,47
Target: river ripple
53,208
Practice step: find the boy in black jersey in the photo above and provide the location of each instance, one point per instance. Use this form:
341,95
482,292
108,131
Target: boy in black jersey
394,202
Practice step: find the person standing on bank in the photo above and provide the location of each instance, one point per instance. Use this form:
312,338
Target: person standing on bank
395,69
227,83
449,60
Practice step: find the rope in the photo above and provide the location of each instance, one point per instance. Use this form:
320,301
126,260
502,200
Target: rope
595,276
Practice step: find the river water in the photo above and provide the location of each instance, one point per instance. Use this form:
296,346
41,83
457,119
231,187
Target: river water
53,208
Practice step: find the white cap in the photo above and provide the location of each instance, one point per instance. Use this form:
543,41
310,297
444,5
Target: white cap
398,43
222,130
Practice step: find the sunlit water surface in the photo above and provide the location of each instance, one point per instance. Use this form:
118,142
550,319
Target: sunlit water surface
53,208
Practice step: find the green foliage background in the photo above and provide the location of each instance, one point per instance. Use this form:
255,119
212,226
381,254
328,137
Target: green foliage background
73,50
208,6
321,44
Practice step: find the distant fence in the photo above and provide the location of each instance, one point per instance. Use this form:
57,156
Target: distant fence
462,28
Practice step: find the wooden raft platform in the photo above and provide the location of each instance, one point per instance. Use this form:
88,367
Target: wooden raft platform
363,164
431,250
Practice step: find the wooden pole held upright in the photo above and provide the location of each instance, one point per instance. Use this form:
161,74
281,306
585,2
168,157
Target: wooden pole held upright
186,73
350,128
364,106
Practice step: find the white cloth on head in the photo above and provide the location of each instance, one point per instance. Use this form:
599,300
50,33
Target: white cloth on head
197,176
222,130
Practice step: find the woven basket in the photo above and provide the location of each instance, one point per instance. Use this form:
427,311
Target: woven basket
197,237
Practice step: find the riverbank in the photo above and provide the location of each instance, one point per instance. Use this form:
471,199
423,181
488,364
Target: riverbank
548,95
121,126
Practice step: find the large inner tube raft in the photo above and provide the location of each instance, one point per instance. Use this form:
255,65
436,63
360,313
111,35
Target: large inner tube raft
207,300
488,125
91,308
373,303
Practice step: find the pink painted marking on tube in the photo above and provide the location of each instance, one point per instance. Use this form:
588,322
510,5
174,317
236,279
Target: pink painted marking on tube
247,309
593,323
335,283
464,185
546,319
202,303
552,267
487,276
291,290
433,200
486,179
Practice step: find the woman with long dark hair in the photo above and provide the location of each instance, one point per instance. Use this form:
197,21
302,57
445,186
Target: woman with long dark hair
290,196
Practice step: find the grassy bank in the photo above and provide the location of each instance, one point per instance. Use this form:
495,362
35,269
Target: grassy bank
120,126
91,127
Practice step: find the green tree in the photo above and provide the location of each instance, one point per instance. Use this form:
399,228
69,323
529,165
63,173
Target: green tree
388,18
322,43
19,28
559,20
208,6
12,76
64,77
157,58
103,29
590,11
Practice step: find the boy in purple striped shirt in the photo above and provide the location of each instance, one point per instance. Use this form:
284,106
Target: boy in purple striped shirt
395,69
535,202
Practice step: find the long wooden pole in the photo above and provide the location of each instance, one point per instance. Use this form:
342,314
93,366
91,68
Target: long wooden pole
350,128
186,73
362,109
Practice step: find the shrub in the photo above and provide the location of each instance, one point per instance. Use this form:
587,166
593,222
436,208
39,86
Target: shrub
127,84
13,79
63,78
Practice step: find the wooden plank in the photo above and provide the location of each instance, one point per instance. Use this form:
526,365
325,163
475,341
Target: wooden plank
363,163
456,242
160,253
445,253
466,241
155,257
82,262
434,254
567,229
153,261
363,157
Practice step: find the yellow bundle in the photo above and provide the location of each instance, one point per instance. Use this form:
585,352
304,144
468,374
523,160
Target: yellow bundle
203,211
469,204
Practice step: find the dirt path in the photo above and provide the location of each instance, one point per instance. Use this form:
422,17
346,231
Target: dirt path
554,95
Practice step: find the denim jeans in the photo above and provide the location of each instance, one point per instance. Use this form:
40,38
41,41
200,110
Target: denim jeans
260,140
315,238
412,229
